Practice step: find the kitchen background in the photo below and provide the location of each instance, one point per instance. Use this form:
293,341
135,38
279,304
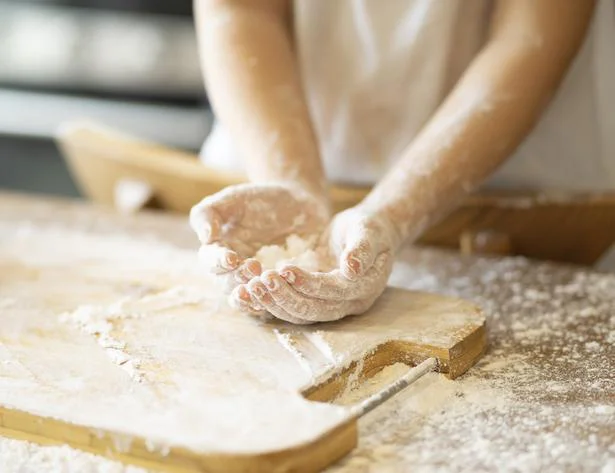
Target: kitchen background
128,63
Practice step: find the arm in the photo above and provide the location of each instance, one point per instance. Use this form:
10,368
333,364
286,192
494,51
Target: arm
253,80
492,108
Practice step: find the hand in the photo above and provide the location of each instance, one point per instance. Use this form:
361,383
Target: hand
236,222
362,247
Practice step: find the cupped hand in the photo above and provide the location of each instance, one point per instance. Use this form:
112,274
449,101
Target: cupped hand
361,247
235,223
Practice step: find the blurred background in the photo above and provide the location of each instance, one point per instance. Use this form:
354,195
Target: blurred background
128,63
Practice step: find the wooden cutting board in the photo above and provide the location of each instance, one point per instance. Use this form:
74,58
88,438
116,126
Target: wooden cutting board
115,342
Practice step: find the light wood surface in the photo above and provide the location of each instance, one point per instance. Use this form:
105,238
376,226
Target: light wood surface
99,157
568,228
114,342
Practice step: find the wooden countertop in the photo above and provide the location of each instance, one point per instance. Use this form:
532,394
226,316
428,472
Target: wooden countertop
543,398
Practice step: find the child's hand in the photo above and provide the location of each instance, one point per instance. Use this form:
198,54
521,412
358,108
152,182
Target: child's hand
362,247
236,222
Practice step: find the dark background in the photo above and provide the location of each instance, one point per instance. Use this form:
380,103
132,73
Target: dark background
128,63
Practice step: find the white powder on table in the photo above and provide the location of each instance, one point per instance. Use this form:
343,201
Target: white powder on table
540,400
100,321
24,457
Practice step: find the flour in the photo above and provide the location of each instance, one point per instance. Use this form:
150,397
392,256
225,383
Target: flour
540,400
353,382
287,341
296,251
24,457
356,392
100,321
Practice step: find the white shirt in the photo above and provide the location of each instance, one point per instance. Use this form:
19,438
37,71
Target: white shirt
375,71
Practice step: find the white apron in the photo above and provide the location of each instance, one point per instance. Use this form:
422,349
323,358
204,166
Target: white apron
375,71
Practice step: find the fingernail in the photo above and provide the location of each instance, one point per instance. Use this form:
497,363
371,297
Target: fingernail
354,264
271,283
258,291
247,271
289,276
243,294
253,267
242,276
232,260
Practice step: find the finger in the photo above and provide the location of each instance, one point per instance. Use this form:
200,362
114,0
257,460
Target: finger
205,222
329,311
218,259
359,253
327,286
249,269
306,309
240,299
260,295
345,309
295,304
333,285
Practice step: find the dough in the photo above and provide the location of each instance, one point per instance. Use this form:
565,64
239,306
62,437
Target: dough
297,251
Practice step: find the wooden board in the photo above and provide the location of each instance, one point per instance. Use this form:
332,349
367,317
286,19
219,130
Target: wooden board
574,228
99,157
116,343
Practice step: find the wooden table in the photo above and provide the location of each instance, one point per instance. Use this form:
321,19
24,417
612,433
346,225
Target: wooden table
542,399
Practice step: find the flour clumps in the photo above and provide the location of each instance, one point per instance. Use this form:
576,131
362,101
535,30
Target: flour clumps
297,251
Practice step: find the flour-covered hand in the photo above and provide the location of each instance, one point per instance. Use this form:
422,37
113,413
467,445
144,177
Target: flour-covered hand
235,222
362,247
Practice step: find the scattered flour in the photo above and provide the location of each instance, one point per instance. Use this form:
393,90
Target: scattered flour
287,341
353,385
24,457
100,321
540,400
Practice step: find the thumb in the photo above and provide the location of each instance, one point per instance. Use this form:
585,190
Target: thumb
359,253
205,222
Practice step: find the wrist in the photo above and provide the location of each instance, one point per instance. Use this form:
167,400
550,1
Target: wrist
319,198
314,192
314,196
390,228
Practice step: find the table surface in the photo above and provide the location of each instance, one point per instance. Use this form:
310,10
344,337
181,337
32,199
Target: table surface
542,398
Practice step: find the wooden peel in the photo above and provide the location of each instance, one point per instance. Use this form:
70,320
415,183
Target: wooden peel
43,424
72,264
575,228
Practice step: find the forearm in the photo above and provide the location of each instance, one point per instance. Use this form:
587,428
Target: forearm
252,78
490,111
